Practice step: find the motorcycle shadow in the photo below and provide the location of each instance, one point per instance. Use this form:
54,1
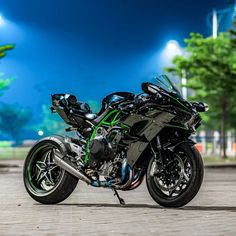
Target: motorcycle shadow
149,206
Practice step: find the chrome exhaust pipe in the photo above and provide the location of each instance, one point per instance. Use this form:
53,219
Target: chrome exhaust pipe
128,182
58,160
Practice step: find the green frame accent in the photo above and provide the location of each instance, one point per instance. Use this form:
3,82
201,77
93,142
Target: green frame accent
103,122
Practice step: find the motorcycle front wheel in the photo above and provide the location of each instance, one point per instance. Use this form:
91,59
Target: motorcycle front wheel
174,180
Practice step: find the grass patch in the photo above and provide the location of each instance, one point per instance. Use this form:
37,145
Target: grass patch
219,160
7,153
4,144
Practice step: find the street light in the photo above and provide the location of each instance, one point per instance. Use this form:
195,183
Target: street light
2,22
221,19
40,133
173,49
173,45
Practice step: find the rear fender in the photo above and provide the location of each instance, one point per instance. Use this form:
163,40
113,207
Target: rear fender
58,140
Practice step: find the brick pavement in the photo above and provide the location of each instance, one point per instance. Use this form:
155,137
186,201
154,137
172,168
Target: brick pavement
93,211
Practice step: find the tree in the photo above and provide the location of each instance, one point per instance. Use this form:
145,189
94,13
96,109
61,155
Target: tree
13,120
210,66
4,83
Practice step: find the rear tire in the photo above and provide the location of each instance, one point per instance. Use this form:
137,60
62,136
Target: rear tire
42,187
192,187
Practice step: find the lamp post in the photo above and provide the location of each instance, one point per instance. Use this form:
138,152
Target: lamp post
174,49
221,19
214,24
2,21
184,83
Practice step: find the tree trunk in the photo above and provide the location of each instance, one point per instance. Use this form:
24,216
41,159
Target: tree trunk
223,134
234,141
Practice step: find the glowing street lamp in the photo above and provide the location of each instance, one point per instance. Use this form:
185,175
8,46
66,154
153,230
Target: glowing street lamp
173,48
40,133
2,22
173,45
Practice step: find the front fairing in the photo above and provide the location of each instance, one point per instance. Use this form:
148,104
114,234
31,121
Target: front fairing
169,89
186,116
178,101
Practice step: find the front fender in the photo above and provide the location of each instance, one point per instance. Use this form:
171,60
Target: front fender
176,143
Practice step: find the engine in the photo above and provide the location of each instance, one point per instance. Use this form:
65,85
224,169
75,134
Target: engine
105,157
100,149
103,149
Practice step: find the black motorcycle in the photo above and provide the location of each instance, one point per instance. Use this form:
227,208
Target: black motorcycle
132,136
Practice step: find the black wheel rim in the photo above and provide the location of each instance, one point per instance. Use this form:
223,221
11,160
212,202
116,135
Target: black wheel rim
43,174
172,178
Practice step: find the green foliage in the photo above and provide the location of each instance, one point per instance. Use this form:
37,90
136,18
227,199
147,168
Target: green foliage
4,83
210,68
4,49
13,120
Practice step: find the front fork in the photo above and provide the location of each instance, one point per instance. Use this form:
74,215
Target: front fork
157,155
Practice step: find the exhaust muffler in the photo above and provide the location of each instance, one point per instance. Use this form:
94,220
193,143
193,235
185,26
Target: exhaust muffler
66,165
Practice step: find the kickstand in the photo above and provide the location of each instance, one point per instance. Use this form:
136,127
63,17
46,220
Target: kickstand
121,200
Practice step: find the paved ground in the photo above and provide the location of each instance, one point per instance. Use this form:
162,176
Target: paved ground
93,211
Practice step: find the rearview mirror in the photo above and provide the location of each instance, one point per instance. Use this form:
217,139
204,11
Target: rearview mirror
150,89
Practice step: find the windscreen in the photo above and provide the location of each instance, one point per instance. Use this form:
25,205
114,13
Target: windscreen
165,83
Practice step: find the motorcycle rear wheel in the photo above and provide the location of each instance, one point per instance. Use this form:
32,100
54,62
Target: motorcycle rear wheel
46,182
176,184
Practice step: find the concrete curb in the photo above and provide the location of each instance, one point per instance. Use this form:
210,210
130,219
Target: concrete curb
9,166
220,166
207,166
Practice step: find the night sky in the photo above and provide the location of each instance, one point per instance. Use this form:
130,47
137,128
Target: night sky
91,47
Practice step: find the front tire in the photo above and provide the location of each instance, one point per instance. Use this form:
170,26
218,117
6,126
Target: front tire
177,183
46,182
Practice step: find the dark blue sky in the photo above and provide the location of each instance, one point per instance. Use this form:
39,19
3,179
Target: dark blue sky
91,47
